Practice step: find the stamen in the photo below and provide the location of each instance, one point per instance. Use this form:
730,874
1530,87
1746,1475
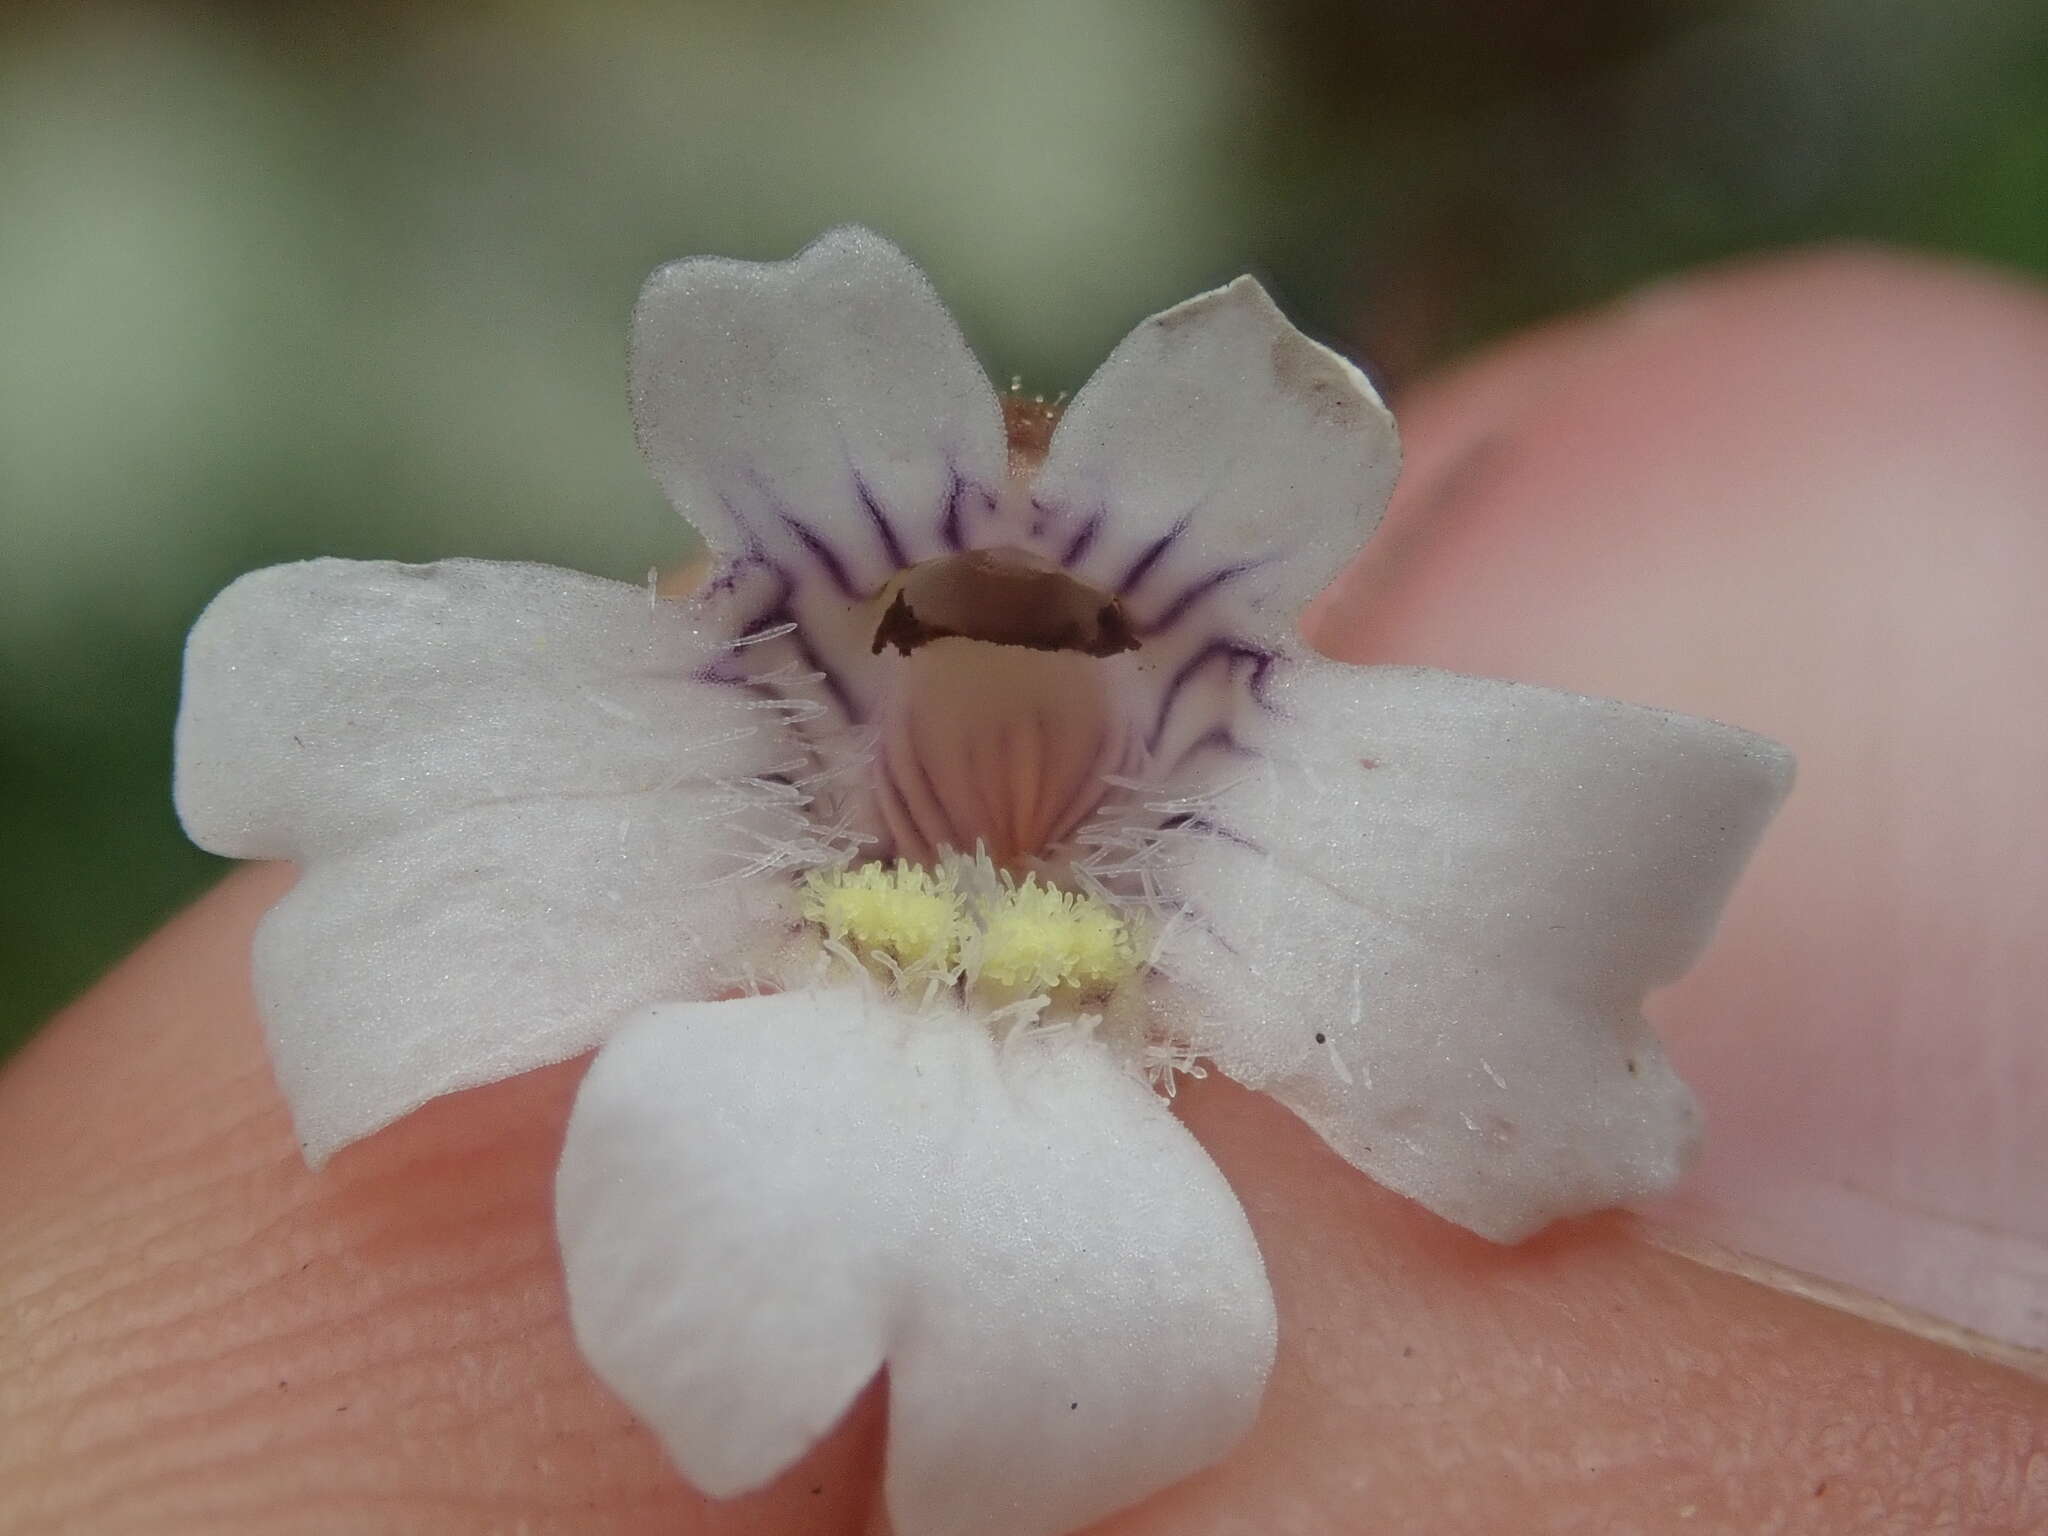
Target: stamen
966,920
1039,938
906,915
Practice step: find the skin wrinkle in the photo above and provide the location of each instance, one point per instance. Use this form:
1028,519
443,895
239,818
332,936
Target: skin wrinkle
140,1413
141,1406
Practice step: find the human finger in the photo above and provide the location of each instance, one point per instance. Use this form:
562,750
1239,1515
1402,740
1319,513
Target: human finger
1803,496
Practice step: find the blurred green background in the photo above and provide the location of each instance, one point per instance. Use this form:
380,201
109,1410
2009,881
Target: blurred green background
353,279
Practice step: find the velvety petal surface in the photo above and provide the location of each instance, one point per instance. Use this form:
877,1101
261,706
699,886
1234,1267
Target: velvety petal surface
331,703
1218,461
822,415
762,1200
1426,914
495,940
519,810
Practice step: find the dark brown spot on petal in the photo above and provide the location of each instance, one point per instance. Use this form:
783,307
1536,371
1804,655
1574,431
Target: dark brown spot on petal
1003,597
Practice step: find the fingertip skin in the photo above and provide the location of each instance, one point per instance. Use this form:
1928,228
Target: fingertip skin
197,1335
1801,495
1583,1381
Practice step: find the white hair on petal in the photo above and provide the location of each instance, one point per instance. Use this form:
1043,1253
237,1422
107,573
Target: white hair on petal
849,758
1129,846
1165,1061
761,636
1337,1062
787,836
613,708
1015,1020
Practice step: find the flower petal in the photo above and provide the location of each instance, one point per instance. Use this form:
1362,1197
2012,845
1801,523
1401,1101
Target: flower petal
822,414
1428,918
1218,458
331,703
519,807
762,1200
495,940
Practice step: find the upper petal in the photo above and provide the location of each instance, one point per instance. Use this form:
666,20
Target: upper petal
1426,921
1218,457
333,702
762,1200
823,414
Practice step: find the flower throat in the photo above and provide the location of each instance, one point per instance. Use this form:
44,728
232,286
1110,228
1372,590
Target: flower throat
1008,710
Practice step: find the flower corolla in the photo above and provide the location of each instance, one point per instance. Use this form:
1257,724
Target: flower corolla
897,874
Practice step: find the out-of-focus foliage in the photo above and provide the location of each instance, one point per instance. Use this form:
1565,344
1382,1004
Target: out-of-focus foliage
354,280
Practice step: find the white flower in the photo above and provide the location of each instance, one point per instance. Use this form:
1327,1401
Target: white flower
538,812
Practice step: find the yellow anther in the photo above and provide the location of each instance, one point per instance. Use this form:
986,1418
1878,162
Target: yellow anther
1037,937
1017,938
906,912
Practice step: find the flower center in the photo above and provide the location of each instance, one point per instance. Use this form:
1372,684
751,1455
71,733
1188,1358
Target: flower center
1004,716
969,924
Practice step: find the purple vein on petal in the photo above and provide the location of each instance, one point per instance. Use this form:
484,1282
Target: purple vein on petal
725,581
780,610
1232,652
822,552
1218,738
1194,592
1188,821
991,502
949,515
1152,555
892,547
753,549
1082,541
